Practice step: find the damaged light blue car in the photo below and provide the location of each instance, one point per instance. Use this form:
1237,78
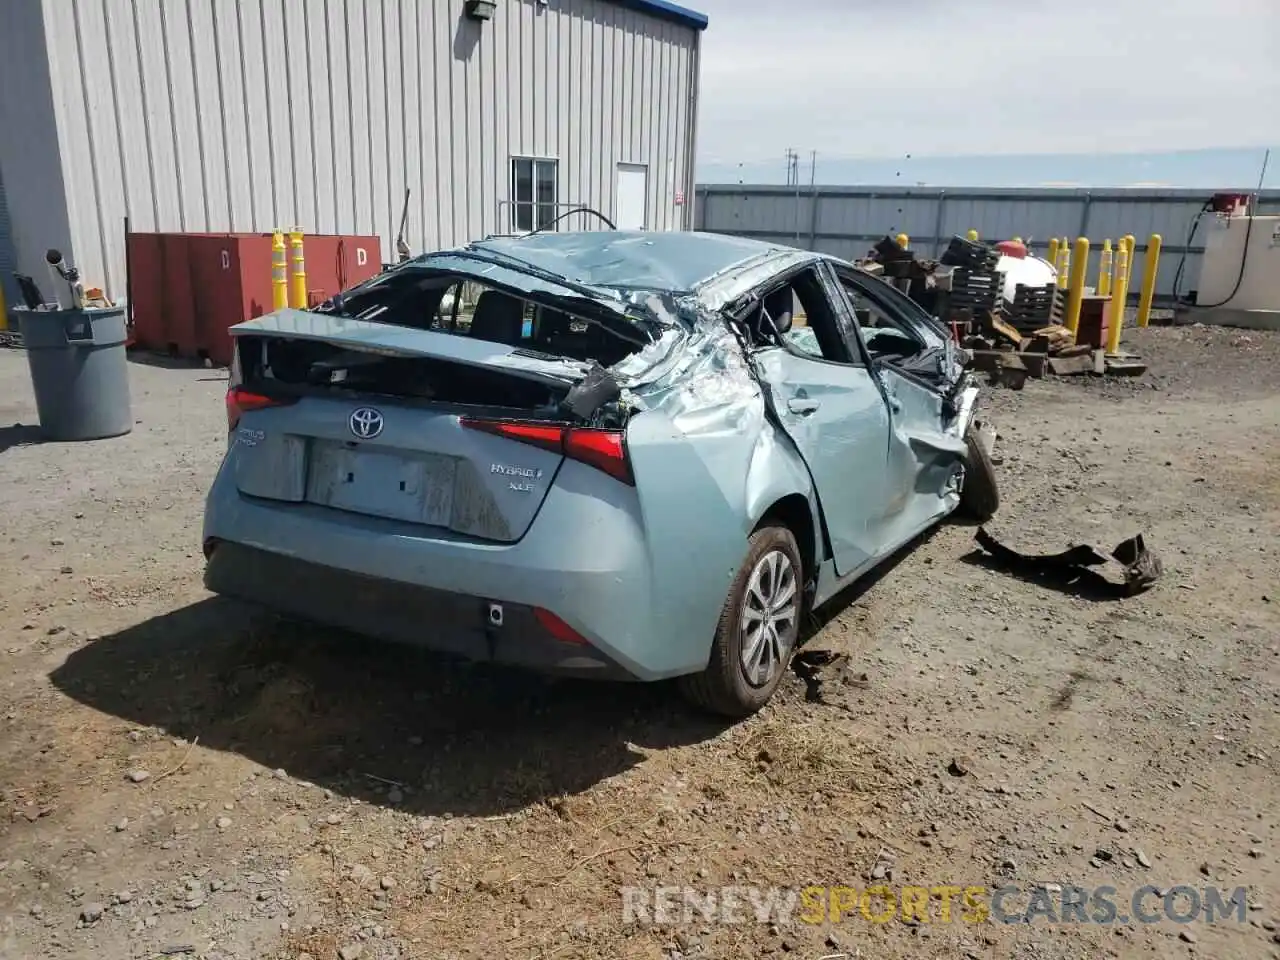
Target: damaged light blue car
610,454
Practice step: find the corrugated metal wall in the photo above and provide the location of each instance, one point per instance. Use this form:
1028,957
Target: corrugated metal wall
847,221
245,115
8,262
29,154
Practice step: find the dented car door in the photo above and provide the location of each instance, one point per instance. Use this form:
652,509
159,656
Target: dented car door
923,456
833,411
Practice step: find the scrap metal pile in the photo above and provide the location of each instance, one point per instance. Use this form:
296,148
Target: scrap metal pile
1011,329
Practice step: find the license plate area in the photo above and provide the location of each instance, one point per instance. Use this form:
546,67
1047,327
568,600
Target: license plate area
394,484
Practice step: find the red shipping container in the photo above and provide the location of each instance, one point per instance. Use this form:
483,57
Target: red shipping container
337,263
177,296
361,259
146,294
232,274
233,280
190,288
160,285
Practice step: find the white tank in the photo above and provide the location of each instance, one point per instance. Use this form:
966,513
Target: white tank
1029,271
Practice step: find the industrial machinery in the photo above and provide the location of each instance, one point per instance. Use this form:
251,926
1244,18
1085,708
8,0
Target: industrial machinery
1240,269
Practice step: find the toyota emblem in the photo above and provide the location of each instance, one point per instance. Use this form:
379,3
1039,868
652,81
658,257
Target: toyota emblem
366,423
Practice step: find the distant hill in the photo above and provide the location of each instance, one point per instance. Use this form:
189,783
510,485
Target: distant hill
1211,169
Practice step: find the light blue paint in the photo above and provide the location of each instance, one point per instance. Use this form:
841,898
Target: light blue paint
717,437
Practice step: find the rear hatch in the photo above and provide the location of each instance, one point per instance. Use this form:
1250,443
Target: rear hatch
421,427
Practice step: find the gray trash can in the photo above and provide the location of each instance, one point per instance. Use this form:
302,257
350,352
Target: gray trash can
79,371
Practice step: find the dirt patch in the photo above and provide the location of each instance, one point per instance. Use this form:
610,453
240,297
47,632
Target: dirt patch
177,771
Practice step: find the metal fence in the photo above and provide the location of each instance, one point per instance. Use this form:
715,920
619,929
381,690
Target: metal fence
846,221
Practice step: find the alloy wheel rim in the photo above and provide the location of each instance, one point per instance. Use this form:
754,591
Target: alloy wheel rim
770,606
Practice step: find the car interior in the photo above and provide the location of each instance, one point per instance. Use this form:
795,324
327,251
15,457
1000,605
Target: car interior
885,336
467,308
817,335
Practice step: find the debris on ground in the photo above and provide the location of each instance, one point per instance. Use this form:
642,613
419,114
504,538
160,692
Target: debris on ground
1012,330
813,667
1074,568
929,743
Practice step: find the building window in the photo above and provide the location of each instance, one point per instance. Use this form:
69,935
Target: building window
534,193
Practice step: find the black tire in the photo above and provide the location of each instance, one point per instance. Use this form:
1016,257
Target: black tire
723,687
980,495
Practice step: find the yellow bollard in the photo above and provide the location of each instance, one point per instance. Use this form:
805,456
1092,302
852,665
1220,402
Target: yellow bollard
4,310
903,240
1052,255
279,273
1149,269
1017,239
972,235
1129,241
1063,264
298,278
1119,294
1075,286
1104,269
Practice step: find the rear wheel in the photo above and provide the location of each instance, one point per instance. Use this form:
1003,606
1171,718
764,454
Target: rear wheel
980,496
757,630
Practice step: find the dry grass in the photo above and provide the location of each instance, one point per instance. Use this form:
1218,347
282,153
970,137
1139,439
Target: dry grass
808,757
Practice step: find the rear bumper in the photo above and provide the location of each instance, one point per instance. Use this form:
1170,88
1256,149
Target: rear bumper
585,559
452,623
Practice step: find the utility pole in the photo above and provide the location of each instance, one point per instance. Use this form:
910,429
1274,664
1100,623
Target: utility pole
793,180
793,167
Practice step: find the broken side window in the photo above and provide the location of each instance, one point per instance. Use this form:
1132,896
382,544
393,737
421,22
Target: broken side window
801,313
463,306
887,335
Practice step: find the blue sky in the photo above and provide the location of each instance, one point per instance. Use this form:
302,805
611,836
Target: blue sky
1176,92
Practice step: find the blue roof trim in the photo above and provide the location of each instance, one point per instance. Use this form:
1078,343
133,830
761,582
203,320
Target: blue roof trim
667,11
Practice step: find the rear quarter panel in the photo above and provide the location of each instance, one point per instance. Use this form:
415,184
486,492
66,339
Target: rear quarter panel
704,479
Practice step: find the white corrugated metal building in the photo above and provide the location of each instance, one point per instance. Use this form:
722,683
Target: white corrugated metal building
247,115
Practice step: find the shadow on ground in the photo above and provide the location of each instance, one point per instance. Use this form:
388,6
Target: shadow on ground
823,615
352,715
1071,582
166,361
19,435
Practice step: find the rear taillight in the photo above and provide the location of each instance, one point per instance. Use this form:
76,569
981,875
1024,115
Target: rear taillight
240,401
603,449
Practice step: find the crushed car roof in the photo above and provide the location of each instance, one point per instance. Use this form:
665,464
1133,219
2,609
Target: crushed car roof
674,260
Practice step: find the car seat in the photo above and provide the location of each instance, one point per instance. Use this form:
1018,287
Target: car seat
499,318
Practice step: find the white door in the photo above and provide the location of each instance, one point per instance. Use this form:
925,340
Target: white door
631,200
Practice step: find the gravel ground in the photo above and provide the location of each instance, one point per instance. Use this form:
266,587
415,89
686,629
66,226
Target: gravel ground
181,776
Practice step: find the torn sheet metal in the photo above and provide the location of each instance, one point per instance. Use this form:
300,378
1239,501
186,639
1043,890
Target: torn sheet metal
1077,565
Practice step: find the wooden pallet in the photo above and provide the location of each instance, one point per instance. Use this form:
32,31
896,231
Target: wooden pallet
962,252
1034,307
